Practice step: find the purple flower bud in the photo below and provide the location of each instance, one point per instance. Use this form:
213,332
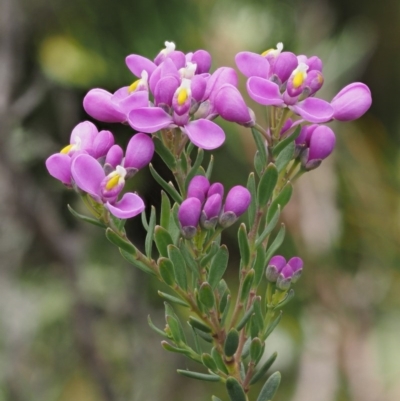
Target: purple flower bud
203,60
322,143
216,188
284,279
275,265
139,152
351,102
198,87
237,200
231,106
198,188
189,216
296,264
211,210
220,77
102,143
305,134
288,124
314,82
181,100
284,65
114,156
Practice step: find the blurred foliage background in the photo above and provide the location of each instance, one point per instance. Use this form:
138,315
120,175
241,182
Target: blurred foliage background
73,314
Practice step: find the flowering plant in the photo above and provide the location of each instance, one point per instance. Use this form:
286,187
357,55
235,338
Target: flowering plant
172,107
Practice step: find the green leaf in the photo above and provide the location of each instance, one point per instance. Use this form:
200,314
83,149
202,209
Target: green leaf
211,252
132,260
175,329
235,390
173,299
285,142
260,143
184,351
196,340
165,210
162,238
267,184
196,165
258,164
255,328
256,348
251,211
126,245
231,342
273,325
218,266
197,324
164,153
167,187
156,329
244,245
209,362
166,269
259,266
199,376
174,228
179,264
276,244
286,300
270,226
258,314
219,361
226,309
247,283
150,232
205,336
86,219
206,295
189,259
224,301
244,319
284,157
263,369
144,220
270,387
214,398
210,167
281,200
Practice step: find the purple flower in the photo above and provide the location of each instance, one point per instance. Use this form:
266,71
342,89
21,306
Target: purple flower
216,188
198,188
284,273
236,203
139,152
275,265
321,143
211,210
189,216
296,264
90,177
351,102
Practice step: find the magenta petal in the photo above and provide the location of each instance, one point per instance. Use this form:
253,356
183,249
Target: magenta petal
59,166
133,101
129,206
165,89
114,155
178,58
221,76
102,143
202,59
314,110
98,104
84,133
88,174
149,119
205,134
284,65
139,152
322,143
137,64
264,91
252,64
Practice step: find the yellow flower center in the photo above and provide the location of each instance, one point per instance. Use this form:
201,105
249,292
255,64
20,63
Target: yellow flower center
182,96
113,182
67,149
299,78
133,86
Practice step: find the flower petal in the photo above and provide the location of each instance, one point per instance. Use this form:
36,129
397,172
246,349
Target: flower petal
139,152
129,206
102,143
137,64
59,167
149,119
132,101
98,104
264,91
314,110
205,134
88,174
84,133
252,64
165,89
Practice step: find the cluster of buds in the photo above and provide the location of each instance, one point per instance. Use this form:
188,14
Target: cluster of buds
204,206
94,165
284,273
175,90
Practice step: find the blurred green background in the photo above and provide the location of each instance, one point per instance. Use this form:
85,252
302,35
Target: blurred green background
73,314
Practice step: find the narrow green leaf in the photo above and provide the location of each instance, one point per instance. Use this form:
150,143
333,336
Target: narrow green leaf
210,167
165,210
286,300
285,156
211,252
244,245
167,187
256,348
276,244
86,219
196,165
174,228
264,368
173,299
247,283
226,310
219,361
251,211
197,324
259,267
270,226
199,376
282,144
231,342
166,269
273,325
126,245
156,329
224,301
270,387
150,232
174,327
214,398
164,153
218,266
189,259
244,319
184,351
162,238
235,390
281,200
144,220
196,340
178,261
258,164
258,314
260,143
132,260
209,362
267,184
255,328
206,295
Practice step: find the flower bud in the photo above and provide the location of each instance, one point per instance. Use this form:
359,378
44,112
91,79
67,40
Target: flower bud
314,82
216,188
322,143
236,203
189,216
113,158
139,152
285,277
211,210
275,265
203,60
296,264
198,188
